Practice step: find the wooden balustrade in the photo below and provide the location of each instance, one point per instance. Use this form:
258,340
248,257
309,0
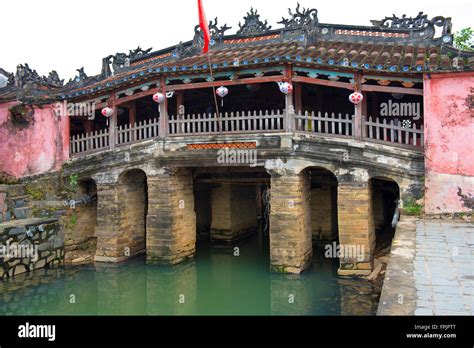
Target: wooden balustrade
336,124
332,124
85,143
227,123
381,130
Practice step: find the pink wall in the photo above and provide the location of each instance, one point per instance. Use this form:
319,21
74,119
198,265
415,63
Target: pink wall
449,139
39,148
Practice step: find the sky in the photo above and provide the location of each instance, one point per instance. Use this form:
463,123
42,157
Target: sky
69,34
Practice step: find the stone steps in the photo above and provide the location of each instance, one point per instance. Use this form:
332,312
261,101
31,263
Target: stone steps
14,203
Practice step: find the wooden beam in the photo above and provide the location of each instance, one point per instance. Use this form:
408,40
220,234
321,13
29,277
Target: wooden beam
358,109
127,99
200,85
289,104
163,107
247,81
132,113
387,89
328,83
113,121
298,97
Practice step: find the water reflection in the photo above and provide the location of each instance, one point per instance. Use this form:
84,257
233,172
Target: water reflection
217,283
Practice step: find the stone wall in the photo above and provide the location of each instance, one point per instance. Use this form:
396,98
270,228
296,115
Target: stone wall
234,212
448,120
82,235
30,244
203,208
323,214
39,147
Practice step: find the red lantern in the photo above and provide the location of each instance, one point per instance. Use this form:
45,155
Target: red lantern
107,112
356,98
285,87
159,98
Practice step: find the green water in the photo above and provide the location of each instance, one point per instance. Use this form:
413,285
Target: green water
216,283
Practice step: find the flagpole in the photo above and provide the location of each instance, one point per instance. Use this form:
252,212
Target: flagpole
207,38
214,92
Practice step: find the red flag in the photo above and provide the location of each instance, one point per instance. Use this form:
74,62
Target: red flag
204,27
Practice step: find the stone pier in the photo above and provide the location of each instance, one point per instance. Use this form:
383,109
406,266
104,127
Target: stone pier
234,212
356,230
171,221
108,225
290,222
121,211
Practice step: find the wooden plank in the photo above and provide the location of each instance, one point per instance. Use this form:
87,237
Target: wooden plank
387,89
321,82
246,81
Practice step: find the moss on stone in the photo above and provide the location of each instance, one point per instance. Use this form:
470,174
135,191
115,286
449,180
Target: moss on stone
36,193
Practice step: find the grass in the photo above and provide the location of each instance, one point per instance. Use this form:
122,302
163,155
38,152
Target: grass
413,208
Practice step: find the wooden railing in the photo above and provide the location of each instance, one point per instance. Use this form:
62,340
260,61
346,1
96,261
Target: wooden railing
227,123
95,141
137,132
250,122
381,130
325,124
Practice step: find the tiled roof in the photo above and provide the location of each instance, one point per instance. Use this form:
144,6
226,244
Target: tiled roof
392,46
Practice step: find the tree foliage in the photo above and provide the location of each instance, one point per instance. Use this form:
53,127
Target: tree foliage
464,39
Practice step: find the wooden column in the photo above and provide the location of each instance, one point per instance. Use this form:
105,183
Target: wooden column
113,122
132,113
289,106
179,102
180,109
298,98
375,105
364,112
358,108
163,108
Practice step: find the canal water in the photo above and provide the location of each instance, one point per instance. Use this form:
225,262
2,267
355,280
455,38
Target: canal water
220,281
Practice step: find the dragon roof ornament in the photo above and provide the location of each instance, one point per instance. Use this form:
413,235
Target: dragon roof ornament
420,22
301,18
253,25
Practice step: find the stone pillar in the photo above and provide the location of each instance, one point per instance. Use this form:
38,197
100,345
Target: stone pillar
234,212
171,221
120,226
356,230
108,217
290,223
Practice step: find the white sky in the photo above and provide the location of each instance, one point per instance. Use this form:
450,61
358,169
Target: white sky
68,34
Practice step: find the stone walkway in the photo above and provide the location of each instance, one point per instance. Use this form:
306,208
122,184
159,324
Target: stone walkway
431,269
444,268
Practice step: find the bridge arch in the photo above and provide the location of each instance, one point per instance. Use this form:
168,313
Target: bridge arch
385,197
323,204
